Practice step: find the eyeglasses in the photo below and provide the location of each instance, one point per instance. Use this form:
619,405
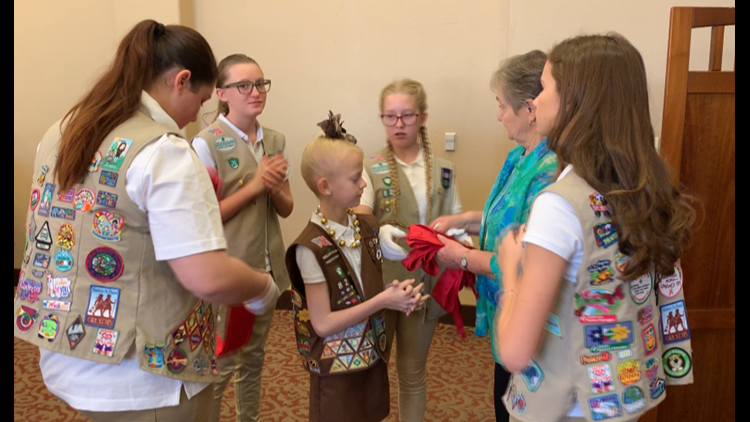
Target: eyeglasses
391,119
246,87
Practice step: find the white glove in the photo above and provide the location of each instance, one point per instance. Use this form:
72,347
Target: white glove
265,301
460,235
391,250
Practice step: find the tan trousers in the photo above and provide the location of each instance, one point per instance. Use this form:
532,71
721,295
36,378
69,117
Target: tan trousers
413,340
194,410
247,367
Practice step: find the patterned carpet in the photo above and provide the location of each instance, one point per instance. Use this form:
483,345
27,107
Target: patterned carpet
459,381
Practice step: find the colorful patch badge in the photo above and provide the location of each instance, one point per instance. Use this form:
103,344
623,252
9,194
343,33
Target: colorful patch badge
64,213
200,366
216,131
657,385
84,199
600,378
629,371
646,315
602,272
42,175
607,407
96,162
225,144
648,336
105,342
609,337
382,342
445,177
606,234
108,178
115,156
155,353
102,307
37,273
108,225
67,197
49,327
43,237
621,262
66,236
56,305
633,400
214,365
677,363
599,205
598,306
234,162
517,400
640,289
42,261
296,299
387,193
179,335
58,287
532,376
671,286
321,242
36,195
26,318
106,199
177,361
29,290
388,181
303,345
380,167
674,323
104,264
602,357
76,332
46,203
552,325
379,324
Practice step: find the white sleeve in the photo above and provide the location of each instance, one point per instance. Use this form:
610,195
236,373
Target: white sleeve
168,181
204,152
308,266
368,194
454,198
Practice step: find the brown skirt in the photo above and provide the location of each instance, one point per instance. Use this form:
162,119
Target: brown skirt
362,396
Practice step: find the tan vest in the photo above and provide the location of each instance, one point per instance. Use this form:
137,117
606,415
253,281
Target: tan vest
360,346
443,178
91,285
605,345
256,225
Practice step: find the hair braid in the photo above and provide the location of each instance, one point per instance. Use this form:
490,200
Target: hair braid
427,155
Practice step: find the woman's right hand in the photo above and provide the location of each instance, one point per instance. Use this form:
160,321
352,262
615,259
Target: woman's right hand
446,222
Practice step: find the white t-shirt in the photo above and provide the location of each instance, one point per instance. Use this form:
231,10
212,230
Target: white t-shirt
553,225
167,180
415,173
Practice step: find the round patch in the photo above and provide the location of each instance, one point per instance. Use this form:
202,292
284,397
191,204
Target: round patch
104,264
225,143
95,162
66,236
633,400
640,289
383,342
629,371
84,199
379,255
25,318
108,225
672,286
34,201
63,261
177,361
677,363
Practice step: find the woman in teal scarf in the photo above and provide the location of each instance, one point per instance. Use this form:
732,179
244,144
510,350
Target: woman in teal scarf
529,168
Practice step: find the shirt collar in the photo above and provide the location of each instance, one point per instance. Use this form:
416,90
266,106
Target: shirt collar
342,232
419,161
154,110
243,135
565,172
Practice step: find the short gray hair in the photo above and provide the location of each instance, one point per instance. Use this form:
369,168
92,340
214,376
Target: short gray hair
519,78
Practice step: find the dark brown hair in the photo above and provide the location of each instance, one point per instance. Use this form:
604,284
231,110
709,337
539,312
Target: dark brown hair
148,51
224,67
604,130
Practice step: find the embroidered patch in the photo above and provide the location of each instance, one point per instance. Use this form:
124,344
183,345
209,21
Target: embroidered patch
303,345
29,290
606,234
84,199
108,225
42,261
387,193
629,371
602,357
609,337
195,338
321,242
26,318
115,156
49,327
380,167
640,289
657,385
383,342
303,315
517,400
601,272
677,363
102,307
302,329
216,131
104,264
645,315
58,287
56,305
177,361
67,197
64,213
106,199
201,367
599,205
379,324
46,202
214,364
66,236
108,178
598,306
340,271
234,162
633,400
313,365
671,286
621,262
43,237
648,336
105,342
445,177
674,323
34,199
552,325
388,181
296,299
76,332
42,175
96,162
225,144
600,378
607,407
532,376
155,353
37,273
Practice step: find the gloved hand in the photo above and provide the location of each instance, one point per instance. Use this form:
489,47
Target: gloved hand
266,301
391,250
461,236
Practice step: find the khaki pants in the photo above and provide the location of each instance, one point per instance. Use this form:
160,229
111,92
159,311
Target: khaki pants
413,340
194,410
247,367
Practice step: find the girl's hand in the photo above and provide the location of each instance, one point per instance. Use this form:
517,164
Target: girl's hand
450,255
274,172
401,296
444,223
510,252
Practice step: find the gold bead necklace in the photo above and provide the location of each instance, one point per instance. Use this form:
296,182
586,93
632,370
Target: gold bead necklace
332,233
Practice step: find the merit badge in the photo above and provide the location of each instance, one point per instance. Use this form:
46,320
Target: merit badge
29,290
66,236
102,307
629,371
379,324
445,176
633,400
195,338
388,181
621,262
608,337
67,197
303,315
216,131
313,365
76,332
640,289
225,144
234,162
625,354
200,366
115,156
25,318
179,335
600,378
84,199
607,407
602,357
64,213
155,353
517,400
671,286
387,193
648,336
42,175
46,202
58,287
598,306
606,234
677,363
532,376
657,385
645,315
340,271
674,322
56,305
380,167
108,178
296,299
105,342
106,199
553,325
177,361
48,328
602,272
108,225
36,195
96,162
214,366
303,345
599,205
104,264
43,237
37,273
41,260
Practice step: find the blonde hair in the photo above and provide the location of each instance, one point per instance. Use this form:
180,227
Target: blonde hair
320,157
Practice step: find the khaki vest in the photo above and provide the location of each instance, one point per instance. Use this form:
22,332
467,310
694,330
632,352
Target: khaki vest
360,346
443,178
91,285
604,345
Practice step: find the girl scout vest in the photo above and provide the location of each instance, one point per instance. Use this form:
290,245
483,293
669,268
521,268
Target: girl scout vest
257,225
443,178
611,345
360,346
91,285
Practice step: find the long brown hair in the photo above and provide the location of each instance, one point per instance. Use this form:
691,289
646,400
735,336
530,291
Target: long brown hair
148,51
604,130
224,65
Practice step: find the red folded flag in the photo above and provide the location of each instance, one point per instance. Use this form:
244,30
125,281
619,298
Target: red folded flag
425,246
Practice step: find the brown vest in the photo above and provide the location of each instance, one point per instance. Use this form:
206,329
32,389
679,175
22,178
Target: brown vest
91,285
603,345
360,346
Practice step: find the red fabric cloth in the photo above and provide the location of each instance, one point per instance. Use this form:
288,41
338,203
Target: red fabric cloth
238,331
425,246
